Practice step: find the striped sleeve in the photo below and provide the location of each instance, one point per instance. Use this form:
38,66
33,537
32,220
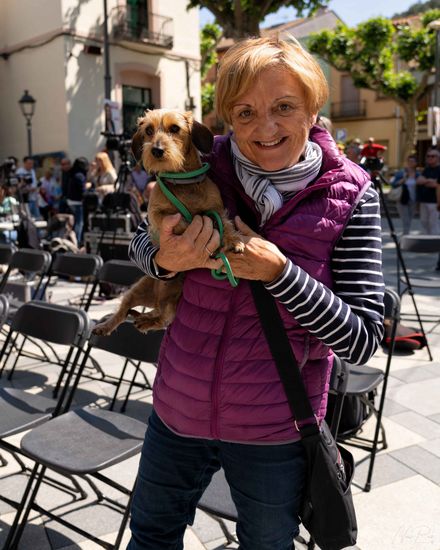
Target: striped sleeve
141,250
348,319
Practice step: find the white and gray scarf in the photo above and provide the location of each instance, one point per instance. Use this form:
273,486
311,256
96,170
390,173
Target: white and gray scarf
270,189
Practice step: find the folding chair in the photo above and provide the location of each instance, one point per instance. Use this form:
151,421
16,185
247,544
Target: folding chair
59,445
420,244
151,342
121,273
74,265
363,382
21,410
6,251
33,266
217,502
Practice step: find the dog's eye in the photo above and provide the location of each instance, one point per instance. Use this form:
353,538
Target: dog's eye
174,129
149,130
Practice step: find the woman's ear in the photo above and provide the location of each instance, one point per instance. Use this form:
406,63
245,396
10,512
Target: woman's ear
313,119
202,137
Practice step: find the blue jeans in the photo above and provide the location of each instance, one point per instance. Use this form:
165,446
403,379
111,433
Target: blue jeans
77,211
266,484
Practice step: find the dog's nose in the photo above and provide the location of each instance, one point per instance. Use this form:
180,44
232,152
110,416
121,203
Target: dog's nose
157,152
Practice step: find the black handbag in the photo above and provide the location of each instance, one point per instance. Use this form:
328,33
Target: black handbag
327,510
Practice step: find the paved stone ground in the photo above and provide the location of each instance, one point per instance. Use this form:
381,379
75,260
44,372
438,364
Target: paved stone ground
402,509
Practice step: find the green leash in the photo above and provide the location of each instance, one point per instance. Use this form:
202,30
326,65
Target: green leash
216,273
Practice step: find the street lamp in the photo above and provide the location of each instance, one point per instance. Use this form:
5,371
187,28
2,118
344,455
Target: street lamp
27,106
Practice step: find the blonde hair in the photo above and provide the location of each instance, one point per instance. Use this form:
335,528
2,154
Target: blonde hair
242,64
106,162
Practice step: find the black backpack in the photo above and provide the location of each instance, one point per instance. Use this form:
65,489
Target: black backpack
27,234
354,413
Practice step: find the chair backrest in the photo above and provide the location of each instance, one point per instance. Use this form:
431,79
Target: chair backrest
391,304
6,251
130,343
120,272
52,323
29,260
4,309
77,265
424,244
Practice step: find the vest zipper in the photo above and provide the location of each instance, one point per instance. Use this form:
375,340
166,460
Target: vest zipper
218,369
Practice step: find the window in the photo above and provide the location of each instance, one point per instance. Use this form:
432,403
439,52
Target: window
134,102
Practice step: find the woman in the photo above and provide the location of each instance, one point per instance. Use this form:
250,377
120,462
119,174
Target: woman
76,186
105,175
407,202
312,231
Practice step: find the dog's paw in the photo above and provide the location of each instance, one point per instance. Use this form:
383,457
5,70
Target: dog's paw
238,247
102,329
144,323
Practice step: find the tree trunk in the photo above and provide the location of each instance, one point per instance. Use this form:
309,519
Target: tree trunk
409,116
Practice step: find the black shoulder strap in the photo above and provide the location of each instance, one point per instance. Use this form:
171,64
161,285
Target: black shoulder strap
285,360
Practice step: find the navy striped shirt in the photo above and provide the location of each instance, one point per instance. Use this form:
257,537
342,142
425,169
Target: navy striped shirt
349,318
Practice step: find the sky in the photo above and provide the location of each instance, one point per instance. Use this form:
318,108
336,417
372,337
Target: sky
351,12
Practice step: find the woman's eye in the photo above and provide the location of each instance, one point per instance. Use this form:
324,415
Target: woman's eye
285,108
174,129
149,130
245,114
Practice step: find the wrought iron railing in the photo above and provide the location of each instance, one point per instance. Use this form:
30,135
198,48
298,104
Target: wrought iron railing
348,109
145,27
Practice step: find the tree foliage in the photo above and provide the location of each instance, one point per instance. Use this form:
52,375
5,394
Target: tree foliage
210,36
418,7
394,60
242,18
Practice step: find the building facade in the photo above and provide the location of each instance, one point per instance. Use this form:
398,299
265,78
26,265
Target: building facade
55,49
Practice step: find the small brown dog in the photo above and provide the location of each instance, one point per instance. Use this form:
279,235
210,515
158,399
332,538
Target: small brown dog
169,141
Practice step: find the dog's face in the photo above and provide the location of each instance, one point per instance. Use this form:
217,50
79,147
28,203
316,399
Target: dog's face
165,139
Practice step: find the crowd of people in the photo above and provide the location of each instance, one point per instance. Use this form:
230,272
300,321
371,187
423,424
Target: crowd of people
62,188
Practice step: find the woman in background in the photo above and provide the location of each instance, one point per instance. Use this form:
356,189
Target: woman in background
407,203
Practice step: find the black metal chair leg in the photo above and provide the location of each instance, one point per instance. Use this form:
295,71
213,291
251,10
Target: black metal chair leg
24,508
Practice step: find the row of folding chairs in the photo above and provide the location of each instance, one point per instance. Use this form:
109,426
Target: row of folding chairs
40,270
78,443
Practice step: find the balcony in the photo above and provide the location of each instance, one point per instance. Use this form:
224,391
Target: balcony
348,109
143,28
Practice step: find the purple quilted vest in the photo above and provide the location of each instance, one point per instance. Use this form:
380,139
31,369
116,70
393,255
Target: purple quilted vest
216,378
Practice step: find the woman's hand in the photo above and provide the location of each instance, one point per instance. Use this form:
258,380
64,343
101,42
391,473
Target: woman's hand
261,259
190,250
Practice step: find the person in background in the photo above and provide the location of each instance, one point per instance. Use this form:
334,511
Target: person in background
47,193
426,192
137,183
407,178
353,152
372,150
310,222
28,188
105,175
66,165
76,186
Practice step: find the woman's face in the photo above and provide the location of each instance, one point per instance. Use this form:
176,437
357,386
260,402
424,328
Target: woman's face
270,121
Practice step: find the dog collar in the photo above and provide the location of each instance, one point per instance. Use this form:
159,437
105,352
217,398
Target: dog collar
195,176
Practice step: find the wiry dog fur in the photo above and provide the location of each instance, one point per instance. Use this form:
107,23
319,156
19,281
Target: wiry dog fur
178,138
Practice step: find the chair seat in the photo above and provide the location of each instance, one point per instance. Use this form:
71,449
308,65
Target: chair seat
21,410
363,379
217,498
84,440
423,282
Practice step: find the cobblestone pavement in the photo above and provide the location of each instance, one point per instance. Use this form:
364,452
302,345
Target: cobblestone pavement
402,509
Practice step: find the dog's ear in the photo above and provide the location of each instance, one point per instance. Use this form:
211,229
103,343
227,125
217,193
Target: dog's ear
136,145
202,137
